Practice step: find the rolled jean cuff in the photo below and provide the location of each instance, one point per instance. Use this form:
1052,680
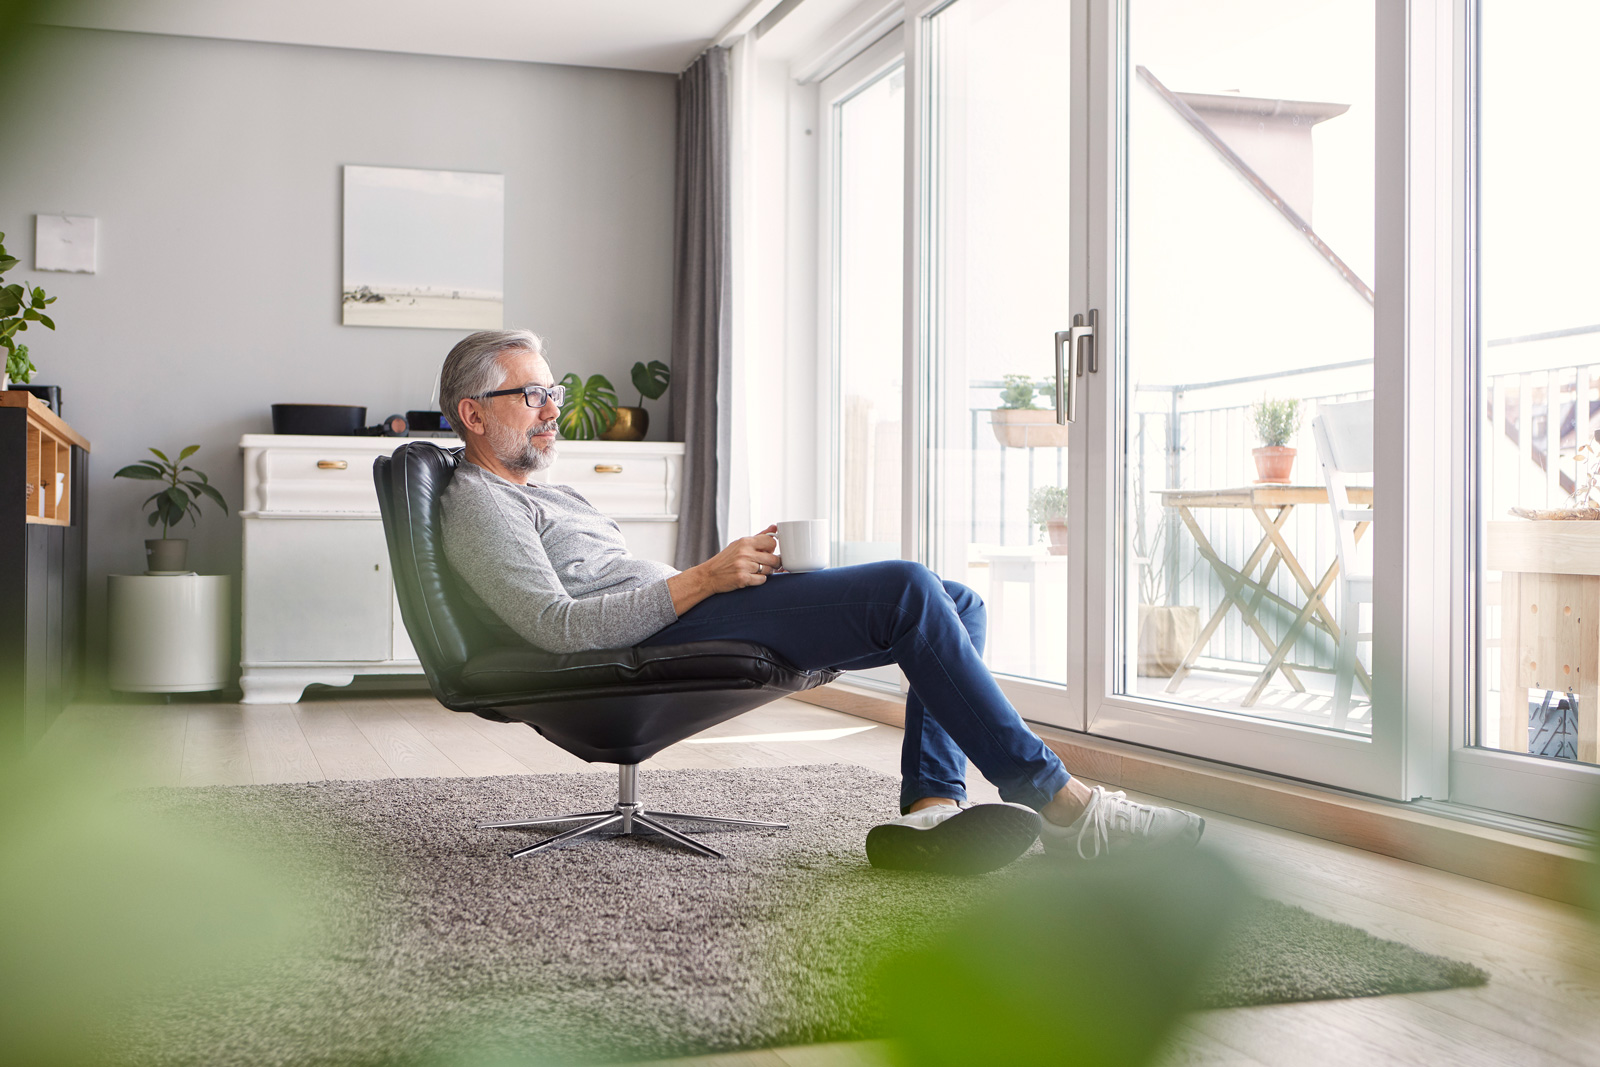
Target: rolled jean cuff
1039,792
911,792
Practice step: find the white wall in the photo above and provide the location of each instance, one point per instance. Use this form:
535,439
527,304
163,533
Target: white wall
214,169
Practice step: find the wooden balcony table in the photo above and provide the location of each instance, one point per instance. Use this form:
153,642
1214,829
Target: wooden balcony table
1246,591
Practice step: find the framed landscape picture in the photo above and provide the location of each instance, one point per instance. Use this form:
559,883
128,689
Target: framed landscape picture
424,248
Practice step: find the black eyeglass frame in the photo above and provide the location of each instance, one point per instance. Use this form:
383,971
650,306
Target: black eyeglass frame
558,393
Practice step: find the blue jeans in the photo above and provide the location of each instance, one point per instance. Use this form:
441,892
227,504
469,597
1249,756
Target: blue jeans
850,618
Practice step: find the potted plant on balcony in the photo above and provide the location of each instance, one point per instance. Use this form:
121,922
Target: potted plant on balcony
632,423
1047,507
179,499
1018,424
1276,422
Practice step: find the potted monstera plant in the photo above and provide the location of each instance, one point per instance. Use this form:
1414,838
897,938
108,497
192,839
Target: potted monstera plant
590,409
179,498
632,423
1018,424
1276,422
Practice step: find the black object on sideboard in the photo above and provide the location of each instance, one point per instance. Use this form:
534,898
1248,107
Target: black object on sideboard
43,567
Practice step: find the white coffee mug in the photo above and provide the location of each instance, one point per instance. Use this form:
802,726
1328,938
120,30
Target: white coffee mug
803,544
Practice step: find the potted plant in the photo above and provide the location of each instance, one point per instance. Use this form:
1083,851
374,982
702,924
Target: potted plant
1018,424
169,506
590,409
1047,508
632,423
21,305
1276,422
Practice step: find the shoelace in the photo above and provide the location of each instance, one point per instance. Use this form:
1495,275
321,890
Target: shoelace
1104,809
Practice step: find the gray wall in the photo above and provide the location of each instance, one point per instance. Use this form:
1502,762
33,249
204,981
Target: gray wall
214,169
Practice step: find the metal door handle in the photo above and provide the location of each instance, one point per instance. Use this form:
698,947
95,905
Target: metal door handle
1076,338
608,468
1066,394
332,464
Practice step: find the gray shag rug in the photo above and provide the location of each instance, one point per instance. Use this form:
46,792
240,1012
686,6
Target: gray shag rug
424,939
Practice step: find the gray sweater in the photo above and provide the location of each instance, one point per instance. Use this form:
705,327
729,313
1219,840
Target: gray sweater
540,561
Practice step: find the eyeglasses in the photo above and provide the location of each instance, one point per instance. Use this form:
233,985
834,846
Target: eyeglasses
535,396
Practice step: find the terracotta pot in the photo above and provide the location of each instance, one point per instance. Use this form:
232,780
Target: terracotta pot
1027,428
1057,529
631,424
1274,464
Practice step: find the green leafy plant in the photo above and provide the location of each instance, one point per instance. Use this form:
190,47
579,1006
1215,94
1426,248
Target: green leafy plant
185,486
1276,421
1048,504
1018,392
19,368
591,407
19,306
651,379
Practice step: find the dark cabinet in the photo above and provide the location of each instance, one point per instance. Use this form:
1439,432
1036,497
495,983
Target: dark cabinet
44,483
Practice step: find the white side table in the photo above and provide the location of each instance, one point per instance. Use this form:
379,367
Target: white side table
169,633
1032,569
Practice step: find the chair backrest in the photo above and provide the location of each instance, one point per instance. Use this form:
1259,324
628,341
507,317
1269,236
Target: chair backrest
1343,434
1348,432
443,629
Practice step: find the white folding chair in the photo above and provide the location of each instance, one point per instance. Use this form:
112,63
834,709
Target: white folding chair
1344,448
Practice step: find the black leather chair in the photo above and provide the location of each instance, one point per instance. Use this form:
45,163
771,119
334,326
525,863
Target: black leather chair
617,706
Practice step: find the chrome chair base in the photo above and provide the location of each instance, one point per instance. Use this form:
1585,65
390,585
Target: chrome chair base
627,817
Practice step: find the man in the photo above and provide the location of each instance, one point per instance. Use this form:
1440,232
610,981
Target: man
543,564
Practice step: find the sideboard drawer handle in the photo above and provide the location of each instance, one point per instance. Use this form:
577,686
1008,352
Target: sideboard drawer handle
608,468
332,465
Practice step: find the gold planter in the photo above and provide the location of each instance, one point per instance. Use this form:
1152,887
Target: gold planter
631,424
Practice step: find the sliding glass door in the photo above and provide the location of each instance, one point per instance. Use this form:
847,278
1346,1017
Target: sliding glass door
1530,746
995,276
1174,204
1238,387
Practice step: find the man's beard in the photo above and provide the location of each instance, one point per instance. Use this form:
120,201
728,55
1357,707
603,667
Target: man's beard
521,454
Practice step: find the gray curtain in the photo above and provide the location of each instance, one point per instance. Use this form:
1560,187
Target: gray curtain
701,316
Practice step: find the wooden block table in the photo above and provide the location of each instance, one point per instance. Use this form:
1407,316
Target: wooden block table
1549,621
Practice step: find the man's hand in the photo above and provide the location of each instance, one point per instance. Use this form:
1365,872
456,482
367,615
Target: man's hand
748,561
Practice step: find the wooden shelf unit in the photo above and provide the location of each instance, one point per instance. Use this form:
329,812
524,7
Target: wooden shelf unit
48,470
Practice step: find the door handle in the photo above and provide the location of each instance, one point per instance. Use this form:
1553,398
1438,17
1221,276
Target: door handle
1066,395
1066,377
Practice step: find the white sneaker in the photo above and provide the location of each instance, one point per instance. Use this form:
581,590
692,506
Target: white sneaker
1114,824
946,839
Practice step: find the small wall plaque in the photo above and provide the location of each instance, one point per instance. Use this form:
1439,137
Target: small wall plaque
64,242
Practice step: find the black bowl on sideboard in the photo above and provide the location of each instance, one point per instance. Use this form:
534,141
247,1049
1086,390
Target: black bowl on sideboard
50,394
328,420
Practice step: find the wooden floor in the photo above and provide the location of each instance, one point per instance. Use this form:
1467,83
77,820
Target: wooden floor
1542,1004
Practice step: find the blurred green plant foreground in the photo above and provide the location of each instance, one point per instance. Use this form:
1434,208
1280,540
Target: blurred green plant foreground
111,907
104,903
1092,964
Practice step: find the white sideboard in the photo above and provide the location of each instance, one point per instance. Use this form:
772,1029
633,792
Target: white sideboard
318,599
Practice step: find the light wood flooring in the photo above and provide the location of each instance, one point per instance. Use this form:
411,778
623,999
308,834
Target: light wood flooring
1542,1004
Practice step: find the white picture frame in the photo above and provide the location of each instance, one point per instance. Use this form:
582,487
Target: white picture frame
65,243
423,248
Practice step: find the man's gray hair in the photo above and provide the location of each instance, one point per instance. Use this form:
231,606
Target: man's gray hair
472,368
